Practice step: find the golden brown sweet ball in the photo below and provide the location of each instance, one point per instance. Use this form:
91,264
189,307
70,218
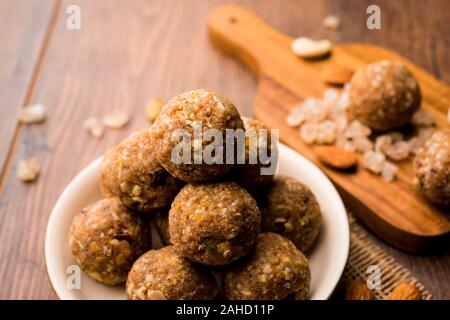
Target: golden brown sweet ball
132,172
288,207
432,168
249,175
274,270
106,238
215,223
384,95
190,112
164,275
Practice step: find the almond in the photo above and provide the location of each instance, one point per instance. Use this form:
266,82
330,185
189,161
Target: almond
355,290
337,75
336,157
405,291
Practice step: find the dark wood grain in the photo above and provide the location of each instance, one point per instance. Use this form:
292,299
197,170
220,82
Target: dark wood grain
130,51
24,26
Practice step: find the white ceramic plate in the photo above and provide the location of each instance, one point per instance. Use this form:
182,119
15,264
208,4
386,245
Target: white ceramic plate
327,257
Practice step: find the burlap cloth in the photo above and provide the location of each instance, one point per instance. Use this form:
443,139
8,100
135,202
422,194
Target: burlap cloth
363,253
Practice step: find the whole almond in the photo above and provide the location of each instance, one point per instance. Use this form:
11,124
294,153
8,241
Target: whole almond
405,291
336,157
337,75
355,290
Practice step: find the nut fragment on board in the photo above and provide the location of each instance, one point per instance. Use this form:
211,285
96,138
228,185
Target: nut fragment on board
374,161
354,290
116,119
448,115
336,157
337,75
389,171
398,151
28,170
94,126
34,113
331,22
422,118
405,291
153,108
309,48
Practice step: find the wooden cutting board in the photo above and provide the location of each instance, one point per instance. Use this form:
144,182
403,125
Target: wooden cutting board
395,211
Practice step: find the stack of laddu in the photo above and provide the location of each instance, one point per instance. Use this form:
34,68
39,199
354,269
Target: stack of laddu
255,227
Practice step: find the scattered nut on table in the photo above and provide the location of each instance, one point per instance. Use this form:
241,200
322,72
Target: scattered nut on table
34,113
28,170
331,22
116,120
309,48
94,126
153,108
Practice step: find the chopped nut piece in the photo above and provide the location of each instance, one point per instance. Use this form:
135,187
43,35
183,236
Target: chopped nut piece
94,127
33,114
309,48
405,291
357,130
398,151
374,161
296,117
336,157
382,142
153,108
308,132
331,22
337,75
28,170
354,290
326,132
389,171
116,120
362,144
423,118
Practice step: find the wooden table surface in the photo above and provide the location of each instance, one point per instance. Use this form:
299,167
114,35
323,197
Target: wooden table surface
127,52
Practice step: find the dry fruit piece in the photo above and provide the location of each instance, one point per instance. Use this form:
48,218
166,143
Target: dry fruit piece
336,157
309,48
33,114
116,120
94,126
153,109
28,170
405,291
337,75
354,290
331,22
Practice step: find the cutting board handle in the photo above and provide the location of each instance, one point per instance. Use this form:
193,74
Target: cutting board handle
244,35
